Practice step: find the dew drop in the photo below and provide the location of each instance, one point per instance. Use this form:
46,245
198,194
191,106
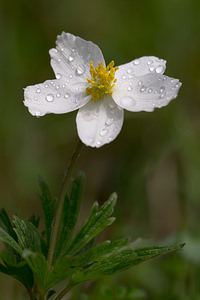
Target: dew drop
162,88
35,98
129,88
143,88
88,116
98,143
152,68
38,91
67,95
38,113
129,71
178,84
136,62
140,82
58,95
46,86
57,87
160,69
58,76
49,97
70,76
112,104
71,57
127,101
162,96
124,77
150,90
80,70
109,122
150,62
103,132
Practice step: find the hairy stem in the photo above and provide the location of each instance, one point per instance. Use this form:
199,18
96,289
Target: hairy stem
58,215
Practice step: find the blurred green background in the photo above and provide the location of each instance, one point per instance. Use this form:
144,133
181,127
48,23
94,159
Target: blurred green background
153,165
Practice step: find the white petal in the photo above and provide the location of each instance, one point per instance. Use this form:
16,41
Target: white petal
54,96
72,56
99,123
146,92
140,66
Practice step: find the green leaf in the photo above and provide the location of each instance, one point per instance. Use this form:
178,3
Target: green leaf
61,271
18,270
34,220
97,221
29,237
7,239
6,224
38,265
71,211
48,206
120,261
97,252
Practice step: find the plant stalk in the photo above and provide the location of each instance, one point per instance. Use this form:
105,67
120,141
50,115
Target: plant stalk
63,292
58,214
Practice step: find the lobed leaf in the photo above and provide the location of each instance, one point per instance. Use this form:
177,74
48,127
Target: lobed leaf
97,221
71,211
9,240
48,207
19,270
120,261
38,265
29,237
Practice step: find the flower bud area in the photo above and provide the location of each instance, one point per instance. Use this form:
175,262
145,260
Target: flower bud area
102,80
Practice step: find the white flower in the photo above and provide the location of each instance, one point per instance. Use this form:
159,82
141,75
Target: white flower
100,93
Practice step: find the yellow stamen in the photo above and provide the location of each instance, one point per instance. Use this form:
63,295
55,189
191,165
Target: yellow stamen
102,80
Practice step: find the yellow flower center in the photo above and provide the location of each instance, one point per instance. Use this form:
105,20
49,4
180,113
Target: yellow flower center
102,80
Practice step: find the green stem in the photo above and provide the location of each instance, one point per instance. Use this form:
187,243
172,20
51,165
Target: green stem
29,290
60,203
64,292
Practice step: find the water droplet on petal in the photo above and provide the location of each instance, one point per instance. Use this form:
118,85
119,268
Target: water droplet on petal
140,82
150,90
38,91
35,98
160,69
129,88
162,88
80,70
88,116
49,97
46,85
67,95
178,84
71,57
38,113
58,76
136,62
143,88
98,143
103,132
150,62
129,71
152,68
127,101
58,95
109,121
124,77
162,96
70,76
112,104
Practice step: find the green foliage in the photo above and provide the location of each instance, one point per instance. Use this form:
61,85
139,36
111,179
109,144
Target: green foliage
48,207
70,211
77,259
29,236
97,221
